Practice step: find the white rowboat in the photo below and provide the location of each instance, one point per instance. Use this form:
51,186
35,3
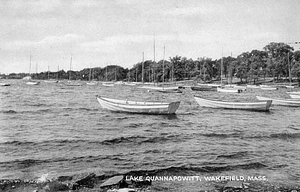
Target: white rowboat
295,96
269,88
33,83
108,84
228,90
211,85
283,102
92,83
4,84
162,89
293,93
253,86
51,81
290,87
252,106
155,108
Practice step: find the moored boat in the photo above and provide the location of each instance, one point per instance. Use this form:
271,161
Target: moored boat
252,106
108,84
290,86
253,86
4,84
92,83
293,93
119,83
283,102
269,88
73,83
163,89
156,108
295,96
210,85
130,83
203,88
239,87
169,91
51,81
228,90
32,83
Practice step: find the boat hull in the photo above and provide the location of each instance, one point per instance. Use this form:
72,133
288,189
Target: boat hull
91,83
162,89
210,85
251,106
283,102
269,88
253,87
51,81
32,83
295,96
294,93
4,84
108,84
229,90
155,108
203,88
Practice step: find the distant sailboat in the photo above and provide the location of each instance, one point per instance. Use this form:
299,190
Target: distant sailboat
91,82
163,89
106,83
30,81
4,84
50,80
226,89
71,83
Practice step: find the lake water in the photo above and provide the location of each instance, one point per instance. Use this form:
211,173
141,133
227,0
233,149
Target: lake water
61,130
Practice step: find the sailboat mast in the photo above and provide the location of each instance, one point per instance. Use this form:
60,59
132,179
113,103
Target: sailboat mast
288,56
143,69
154,60
70,68
106,73
90,73
129,76
222,68
57,72
48,72
163,79
30,64
154,48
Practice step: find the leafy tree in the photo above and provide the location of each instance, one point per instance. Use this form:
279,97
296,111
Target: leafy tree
243,66
257,64
296,65
177,67
277,63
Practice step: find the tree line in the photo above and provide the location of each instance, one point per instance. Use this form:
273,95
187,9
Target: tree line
276,60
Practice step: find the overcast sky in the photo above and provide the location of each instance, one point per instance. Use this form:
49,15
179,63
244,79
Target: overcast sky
103,32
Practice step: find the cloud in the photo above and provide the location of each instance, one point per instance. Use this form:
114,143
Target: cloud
86,4
110,44
49,41
31,7
191,11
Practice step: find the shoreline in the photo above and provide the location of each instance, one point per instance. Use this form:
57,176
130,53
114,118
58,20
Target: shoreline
91,183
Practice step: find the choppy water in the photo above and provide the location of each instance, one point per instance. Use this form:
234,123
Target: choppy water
61,130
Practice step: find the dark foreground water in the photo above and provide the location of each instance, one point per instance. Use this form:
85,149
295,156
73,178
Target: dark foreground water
59,130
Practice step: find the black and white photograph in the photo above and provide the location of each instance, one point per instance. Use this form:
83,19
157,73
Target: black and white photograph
149,95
